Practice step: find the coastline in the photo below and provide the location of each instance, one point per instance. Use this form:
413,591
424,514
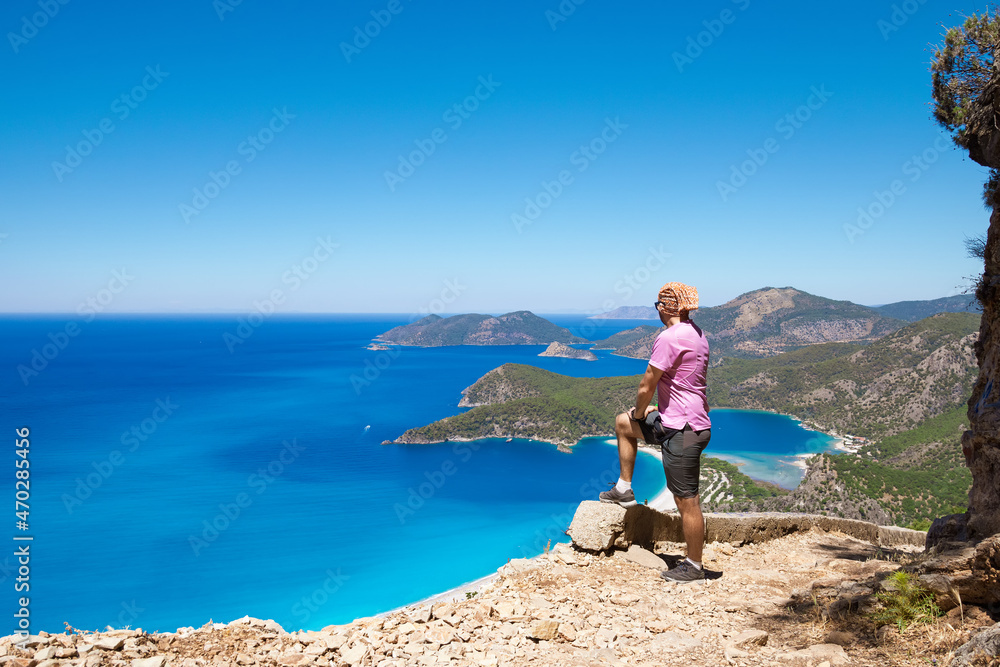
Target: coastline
451,595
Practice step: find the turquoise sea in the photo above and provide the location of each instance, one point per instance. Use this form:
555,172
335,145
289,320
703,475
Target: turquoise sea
176,478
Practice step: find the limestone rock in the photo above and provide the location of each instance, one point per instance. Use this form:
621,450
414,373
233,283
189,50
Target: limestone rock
951,528
749,638
644,557
596,525
354,655
439,635
545,630
731,654
966,570
155,661
986,643
109,643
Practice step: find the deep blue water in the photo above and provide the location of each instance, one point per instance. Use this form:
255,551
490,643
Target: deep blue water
175,481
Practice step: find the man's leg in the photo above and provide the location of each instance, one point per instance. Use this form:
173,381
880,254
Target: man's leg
682,465
693,523
628,433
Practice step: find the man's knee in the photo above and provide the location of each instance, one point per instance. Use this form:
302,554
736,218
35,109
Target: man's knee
623,423
687,504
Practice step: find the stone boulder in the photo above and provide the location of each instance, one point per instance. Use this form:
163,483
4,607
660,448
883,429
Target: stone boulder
986,643
601,526
965,572
951,528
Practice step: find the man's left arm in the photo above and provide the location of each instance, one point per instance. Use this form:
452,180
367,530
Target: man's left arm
647,386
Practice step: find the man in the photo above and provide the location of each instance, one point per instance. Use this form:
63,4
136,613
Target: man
679,424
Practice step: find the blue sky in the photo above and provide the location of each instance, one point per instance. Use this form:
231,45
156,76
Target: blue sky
254,155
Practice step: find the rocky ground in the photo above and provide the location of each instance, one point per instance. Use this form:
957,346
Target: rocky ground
799,600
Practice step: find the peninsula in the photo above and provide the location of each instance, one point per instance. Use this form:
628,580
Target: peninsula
520,327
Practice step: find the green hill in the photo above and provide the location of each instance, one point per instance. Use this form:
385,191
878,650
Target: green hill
515,400
518,328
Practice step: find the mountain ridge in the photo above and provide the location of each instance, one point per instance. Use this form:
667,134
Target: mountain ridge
768,321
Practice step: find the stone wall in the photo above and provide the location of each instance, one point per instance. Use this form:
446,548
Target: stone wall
601,526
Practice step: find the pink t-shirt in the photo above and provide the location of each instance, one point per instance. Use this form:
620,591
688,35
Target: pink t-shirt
681,352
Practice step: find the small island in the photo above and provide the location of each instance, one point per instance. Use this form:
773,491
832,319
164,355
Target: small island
556,349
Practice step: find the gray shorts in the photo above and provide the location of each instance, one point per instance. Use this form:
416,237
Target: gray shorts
682,460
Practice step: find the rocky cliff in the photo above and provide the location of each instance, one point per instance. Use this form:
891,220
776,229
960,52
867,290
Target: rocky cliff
797,596
567,352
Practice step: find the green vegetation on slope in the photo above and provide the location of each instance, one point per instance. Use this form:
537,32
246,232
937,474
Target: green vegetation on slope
536,404
915,476
875,390
738,487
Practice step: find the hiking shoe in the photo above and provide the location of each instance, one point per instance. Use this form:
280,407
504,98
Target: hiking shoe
684,573
613,495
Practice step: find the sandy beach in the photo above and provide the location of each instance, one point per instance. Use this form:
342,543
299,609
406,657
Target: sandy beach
801,460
